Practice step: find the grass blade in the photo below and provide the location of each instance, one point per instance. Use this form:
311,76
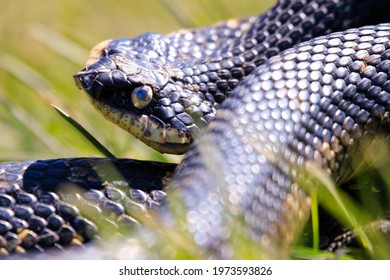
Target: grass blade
84,132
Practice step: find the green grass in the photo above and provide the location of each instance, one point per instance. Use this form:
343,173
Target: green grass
43,43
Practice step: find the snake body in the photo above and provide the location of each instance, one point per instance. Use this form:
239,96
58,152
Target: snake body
261,114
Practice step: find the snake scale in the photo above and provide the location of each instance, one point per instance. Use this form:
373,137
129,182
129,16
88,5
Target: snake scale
253,103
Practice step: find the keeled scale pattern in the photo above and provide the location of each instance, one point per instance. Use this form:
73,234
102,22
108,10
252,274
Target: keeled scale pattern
313,103
62,202
204,65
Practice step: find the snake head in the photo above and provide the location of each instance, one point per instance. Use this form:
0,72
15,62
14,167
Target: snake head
139,95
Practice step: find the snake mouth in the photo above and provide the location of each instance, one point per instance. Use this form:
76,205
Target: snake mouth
148,129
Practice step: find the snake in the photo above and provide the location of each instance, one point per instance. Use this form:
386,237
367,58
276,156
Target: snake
257,105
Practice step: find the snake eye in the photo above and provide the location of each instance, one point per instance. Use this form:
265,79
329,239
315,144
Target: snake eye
141,96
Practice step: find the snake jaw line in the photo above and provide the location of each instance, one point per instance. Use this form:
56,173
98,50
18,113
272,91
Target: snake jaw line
168,139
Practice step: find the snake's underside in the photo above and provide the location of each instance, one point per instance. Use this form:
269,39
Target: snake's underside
262,110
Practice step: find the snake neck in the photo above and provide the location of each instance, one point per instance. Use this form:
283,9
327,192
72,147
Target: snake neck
302,119
166,89
337,14
217,58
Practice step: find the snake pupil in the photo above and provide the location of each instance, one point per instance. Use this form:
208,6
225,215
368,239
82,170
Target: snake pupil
141,96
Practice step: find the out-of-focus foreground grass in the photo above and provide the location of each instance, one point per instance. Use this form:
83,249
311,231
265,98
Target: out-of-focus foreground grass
43,43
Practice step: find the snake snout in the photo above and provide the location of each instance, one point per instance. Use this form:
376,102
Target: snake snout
102,80
89,83
83,81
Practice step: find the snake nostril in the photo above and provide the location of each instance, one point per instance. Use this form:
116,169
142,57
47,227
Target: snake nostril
84,80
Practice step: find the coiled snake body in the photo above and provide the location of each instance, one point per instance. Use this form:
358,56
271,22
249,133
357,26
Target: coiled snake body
261,118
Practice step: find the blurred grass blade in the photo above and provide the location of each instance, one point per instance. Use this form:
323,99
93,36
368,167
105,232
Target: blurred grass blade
184,21
32,124
339,204
304,253
212,9
84,132
315,223
58,43
27,74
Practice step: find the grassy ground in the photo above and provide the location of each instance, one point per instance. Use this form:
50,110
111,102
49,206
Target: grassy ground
43,43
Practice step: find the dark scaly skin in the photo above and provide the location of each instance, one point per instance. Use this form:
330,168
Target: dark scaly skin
55,203
345,239
187,90
279,121
274,187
